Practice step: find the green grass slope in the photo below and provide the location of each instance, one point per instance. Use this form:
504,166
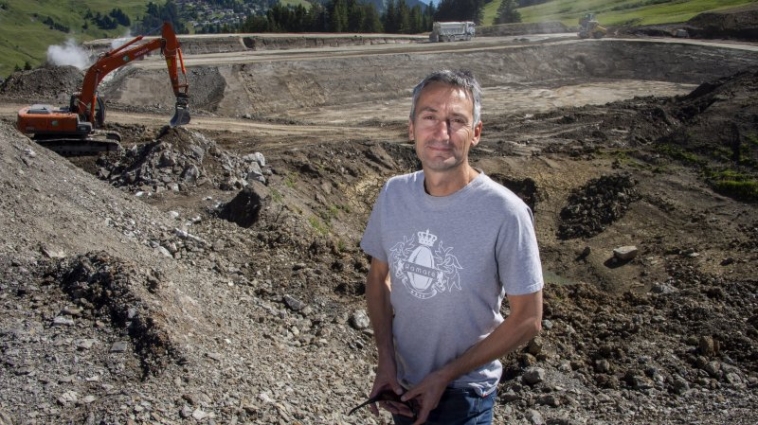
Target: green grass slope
617,12
25,38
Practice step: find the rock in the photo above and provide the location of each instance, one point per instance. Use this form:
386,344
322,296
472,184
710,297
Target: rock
535,418
663,288
360,320
549,400
509,396
602,366
293,303
199,415
680,384
84,344
534,347
625,253
63,321
713,368
68,398
707,346
119,347
534,375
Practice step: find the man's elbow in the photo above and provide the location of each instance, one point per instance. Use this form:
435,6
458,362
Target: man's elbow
533,327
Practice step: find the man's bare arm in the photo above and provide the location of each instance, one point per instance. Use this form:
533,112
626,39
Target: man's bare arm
524,322
380,308
380,312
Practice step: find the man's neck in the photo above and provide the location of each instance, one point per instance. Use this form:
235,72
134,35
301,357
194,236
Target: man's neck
448,182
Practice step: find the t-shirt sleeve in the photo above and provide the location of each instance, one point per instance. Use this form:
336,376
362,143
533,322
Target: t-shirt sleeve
518,255
371,243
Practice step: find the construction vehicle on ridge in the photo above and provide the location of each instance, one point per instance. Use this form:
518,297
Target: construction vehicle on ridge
590,27
76,129
452,31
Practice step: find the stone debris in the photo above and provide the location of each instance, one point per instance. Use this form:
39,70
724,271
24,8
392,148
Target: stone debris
596,205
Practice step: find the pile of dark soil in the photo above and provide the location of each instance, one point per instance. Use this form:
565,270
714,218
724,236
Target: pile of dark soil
740,24
718,120
736,24
597,204
44,84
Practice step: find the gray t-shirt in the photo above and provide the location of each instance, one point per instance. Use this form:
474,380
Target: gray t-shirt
452,260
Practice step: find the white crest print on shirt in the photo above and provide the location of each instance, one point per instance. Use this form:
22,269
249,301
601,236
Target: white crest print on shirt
425,270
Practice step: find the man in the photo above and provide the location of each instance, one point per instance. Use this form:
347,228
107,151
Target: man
447,244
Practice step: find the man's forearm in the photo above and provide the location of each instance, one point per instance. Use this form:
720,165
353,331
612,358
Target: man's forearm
524,322
380,309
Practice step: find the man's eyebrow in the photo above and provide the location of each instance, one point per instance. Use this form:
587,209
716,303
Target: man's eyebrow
453,114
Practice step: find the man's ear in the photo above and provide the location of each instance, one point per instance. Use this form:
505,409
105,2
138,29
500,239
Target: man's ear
411,137
477,134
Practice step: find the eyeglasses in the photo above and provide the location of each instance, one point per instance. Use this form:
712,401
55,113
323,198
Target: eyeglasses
389,395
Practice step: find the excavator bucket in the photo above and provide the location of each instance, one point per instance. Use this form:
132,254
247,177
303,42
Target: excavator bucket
181,112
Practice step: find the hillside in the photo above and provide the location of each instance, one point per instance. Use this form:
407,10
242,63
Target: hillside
626,12
29,29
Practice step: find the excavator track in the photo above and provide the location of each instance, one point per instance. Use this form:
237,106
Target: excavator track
102,142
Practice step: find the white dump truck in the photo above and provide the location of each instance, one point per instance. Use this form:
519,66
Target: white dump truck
452,31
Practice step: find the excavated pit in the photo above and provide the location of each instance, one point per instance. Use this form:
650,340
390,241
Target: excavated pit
280,88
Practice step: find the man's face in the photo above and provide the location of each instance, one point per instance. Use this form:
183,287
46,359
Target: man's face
443,127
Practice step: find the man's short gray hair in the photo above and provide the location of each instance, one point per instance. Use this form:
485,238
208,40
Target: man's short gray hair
463,79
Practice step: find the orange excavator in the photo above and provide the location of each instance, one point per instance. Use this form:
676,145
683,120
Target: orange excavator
77,129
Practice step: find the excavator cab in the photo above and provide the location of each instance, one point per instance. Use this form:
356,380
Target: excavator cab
73,106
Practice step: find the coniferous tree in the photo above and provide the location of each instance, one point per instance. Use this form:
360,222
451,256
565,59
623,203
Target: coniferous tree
507,13
460,10
156,14
390,18
371,20
429,14
355,16
318,18
403,18
339,16
416,19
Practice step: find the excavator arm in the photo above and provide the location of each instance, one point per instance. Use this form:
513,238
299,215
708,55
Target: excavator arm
85,103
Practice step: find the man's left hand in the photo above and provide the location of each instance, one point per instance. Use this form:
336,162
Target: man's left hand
427,394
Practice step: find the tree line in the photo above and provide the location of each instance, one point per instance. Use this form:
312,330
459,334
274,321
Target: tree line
355,16
109,21
339,16
342,16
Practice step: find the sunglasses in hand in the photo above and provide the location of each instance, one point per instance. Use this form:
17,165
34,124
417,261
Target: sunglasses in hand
389,395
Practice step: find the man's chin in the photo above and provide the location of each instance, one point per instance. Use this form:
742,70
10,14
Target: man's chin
440,164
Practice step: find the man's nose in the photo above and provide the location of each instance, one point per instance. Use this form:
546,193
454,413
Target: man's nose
442,126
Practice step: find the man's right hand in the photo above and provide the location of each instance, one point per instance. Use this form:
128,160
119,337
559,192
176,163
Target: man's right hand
386,380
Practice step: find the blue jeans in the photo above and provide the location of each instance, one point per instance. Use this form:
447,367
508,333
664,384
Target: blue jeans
458,406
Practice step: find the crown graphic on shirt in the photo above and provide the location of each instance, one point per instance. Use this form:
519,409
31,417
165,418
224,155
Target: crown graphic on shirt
426,238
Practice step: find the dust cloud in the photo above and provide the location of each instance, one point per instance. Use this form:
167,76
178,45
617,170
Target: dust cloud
70,53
